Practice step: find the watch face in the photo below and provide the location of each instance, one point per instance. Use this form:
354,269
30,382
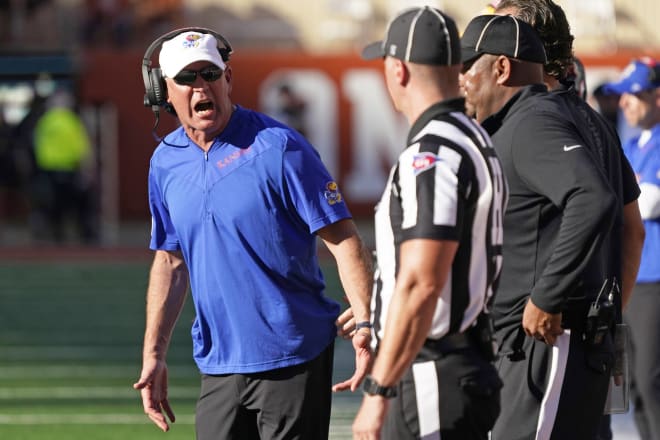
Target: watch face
371,387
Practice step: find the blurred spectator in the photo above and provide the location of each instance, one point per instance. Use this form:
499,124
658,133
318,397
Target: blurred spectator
639,88
107,22
61,186
608,104
18,168
291,109
7,173
7,170
14,169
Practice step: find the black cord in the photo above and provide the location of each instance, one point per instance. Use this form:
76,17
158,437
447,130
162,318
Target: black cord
153,130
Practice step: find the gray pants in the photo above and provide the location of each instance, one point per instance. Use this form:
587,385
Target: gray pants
552,392
643,317
287,403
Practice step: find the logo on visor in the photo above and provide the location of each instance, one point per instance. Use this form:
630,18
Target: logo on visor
191,41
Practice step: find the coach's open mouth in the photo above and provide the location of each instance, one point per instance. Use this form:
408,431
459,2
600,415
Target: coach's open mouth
204,106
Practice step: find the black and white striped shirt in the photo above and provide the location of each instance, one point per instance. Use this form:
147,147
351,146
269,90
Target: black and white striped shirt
447,185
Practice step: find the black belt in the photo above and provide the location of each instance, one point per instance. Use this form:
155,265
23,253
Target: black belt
434,348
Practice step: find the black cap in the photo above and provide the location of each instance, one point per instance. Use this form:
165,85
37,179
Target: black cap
501,35
419,35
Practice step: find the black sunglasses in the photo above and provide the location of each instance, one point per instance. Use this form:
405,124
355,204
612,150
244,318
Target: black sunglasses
208,74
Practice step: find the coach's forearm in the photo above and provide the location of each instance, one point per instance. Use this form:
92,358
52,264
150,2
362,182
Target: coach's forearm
166,294
353,265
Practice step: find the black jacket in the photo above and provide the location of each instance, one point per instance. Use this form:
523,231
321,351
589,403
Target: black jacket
560,204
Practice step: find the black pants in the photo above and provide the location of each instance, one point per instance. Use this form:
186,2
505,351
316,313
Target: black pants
452,397
287,403
642,316
552,392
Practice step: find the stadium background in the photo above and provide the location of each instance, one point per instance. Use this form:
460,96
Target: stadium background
71,318
96,47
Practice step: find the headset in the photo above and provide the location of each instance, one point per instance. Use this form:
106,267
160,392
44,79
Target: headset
154,84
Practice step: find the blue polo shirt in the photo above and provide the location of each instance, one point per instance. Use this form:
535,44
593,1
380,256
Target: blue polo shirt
645,161
244,215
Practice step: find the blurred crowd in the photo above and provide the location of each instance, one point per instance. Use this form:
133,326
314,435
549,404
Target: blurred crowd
47,168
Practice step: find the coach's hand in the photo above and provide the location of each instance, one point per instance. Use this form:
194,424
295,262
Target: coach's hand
541,325
153,389
346,324
363,359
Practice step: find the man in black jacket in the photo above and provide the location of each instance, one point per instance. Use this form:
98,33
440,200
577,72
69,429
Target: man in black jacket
561,209
549,20
622,249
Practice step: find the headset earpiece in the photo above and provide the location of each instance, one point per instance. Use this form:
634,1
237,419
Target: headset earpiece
157,93
224,53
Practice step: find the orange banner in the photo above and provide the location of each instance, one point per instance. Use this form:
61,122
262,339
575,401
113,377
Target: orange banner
338,101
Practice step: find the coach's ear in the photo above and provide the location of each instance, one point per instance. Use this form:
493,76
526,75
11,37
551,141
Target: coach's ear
228,76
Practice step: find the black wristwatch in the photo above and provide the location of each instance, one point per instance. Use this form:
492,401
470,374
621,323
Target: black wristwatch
373,388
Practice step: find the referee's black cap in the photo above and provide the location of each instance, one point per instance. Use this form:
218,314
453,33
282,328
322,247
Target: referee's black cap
501,35
421,35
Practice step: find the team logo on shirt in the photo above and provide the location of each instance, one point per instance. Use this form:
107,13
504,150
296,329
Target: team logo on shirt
331,193
424,161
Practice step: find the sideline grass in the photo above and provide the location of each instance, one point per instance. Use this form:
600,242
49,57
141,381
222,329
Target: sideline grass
70,350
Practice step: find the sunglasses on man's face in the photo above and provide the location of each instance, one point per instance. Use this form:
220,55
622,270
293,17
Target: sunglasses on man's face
188,77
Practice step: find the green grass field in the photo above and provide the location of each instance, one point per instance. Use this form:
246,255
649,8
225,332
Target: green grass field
70,350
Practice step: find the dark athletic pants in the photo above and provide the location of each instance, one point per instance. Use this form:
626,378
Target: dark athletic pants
451,397
643,317
287,403
556,392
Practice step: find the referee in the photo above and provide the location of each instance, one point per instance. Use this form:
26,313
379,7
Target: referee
438,247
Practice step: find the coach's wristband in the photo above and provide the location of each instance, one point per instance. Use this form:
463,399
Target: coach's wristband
363,324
